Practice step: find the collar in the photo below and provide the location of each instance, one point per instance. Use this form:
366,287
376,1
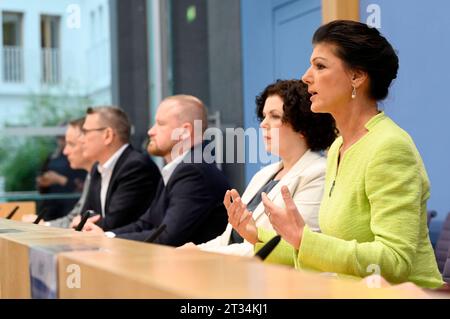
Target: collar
169,168
266,173
111,162
374,121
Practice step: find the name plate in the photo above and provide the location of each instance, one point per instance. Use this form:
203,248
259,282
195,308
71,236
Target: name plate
44,268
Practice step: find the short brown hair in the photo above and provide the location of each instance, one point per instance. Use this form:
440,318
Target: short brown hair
114,118
191,109
77,123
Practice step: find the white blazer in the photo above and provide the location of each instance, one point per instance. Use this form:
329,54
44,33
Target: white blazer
305,181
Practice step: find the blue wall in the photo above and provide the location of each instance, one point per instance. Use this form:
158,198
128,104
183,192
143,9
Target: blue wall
276,44
419,31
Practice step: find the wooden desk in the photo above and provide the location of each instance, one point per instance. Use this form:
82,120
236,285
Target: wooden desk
24,208
16,227
128,269
163,272
14,252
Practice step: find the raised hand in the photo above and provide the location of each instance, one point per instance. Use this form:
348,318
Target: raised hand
287,222
239,217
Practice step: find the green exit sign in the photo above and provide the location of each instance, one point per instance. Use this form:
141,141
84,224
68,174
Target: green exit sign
191,14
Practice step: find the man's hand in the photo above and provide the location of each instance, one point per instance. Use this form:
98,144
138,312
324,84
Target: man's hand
77,220
91,227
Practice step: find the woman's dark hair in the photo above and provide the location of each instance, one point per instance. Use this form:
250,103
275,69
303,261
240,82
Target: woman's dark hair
362,48
318,128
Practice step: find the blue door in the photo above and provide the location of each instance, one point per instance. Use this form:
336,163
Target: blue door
276,44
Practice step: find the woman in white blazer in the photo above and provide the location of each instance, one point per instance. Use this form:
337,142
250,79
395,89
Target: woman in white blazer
296,135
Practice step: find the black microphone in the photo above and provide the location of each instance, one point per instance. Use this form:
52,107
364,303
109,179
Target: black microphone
40,216
267,248
84,218
156,233
13,212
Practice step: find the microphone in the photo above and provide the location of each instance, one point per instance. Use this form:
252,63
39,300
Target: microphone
12,213
40,216
156,233
84,218
267,248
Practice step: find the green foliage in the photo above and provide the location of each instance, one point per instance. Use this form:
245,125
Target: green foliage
22,166
21,158
47,110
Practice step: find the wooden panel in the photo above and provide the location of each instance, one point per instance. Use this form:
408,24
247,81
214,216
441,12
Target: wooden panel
128,269
14,252
16,225
340,9
157,273
24,208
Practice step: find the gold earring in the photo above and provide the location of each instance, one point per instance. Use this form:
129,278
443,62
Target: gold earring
353,92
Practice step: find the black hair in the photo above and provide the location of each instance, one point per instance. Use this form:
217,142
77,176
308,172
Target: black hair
319,129
362,48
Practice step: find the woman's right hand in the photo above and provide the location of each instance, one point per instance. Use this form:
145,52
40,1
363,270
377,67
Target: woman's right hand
239,217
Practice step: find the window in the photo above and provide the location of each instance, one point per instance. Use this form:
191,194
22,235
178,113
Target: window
93,37
47,44
100,22
50,49
12,47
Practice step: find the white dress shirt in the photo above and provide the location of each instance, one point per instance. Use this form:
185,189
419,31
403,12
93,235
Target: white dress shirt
166,172
168,169
105,171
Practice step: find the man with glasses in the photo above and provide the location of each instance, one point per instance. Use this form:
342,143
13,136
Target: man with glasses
188,205
123,181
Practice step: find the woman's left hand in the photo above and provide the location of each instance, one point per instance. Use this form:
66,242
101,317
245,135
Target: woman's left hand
287,222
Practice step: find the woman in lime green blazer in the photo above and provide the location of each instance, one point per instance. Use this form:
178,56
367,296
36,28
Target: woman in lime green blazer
373,213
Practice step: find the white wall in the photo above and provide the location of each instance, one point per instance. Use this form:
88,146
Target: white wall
85,53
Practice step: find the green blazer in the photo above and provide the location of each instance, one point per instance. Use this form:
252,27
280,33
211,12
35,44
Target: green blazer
373,215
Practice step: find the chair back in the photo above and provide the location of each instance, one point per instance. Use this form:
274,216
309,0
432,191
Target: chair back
443,245
446,272
430,215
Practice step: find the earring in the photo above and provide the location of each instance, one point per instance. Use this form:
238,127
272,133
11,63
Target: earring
353,92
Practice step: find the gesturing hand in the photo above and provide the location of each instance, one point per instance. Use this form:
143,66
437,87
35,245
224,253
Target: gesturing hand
287,222
239,217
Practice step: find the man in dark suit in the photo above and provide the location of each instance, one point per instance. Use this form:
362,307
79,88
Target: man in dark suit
192,189
123,181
